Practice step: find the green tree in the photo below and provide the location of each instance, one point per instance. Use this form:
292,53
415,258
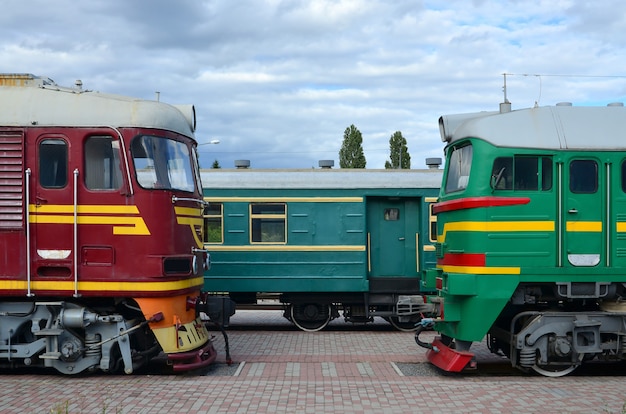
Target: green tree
398,152
216,164
351,152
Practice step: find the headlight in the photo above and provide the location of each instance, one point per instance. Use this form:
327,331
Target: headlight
207,261
194,265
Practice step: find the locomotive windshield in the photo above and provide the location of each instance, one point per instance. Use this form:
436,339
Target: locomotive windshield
459,167
162,163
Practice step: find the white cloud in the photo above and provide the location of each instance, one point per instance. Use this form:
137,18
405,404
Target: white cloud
278,81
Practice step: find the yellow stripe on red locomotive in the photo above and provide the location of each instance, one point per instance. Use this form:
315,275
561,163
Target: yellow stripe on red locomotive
101,229
125,220
193,218
86,287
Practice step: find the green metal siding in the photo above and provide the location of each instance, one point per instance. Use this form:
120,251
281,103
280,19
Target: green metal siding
326,246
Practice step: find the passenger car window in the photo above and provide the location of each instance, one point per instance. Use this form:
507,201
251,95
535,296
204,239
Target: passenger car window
213,223
391,214
268,222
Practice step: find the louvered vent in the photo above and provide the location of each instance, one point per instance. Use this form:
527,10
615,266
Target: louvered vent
11,180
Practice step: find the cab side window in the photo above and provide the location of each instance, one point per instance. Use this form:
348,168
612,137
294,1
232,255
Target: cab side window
502,173
102,164
53,163
522,173
583,176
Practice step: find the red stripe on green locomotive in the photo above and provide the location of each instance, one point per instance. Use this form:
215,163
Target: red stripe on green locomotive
529,220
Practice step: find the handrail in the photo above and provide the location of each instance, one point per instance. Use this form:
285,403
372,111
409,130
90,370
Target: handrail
27,218
201,202
76,295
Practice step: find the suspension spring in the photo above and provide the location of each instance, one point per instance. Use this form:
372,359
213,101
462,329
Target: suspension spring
527,357
93,348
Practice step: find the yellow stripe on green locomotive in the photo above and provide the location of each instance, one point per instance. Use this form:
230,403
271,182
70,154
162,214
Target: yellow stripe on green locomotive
531,242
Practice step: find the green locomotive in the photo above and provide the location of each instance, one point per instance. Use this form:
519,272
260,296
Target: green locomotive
531,238
321,241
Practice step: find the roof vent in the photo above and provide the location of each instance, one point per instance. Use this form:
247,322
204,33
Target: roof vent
616,104
326,164
242,164
564,104
433,163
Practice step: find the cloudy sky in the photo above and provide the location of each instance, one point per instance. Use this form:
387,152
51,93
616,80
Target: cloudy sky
278,81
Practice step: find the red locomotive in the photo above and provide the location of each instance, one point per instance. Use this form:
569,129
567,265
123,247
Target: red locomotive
101,227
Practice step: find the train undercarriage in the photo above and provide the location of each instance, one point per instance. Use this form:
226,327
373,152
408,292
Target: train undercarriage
70,337
314,312
553,329
548,329
556,343
311,312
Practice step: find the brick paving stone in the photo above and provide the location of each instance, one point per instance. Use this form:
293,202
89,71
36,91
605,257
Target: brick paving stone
365,369
282,370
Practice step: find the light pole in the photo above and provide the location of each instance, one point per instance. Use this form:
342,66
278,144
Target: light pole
213,141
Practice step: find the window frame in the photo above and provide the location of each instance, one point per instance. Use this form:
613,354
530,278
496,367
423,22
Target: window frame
456,180
113,163
213,218
514,175
572,176
43,160
432,223
257,220
161,173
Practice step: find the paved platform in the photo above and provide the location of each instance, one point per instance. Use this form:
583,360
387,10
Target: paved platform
278,369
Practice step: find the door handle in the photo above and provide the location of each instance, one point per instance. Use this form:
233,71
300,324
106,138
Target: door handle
572,211
401,238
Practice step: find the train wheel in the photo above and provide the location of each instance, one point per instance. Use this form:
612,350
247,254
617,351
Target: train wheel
310,317
405,326
554,370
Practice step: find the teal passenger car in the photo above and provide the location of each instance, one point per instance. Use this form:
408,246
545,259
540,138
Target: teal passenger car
323,241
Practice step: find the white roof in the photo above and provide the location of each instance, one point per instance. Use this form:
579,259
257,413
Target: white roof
319,178
550,127
51,105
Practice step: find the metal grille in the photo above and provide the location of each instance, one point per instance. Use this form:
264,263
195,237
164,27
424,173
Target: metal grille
438,250
11,180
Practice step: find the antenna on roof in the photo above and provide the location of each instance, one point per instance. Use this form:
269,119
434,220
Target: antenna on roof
506,105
